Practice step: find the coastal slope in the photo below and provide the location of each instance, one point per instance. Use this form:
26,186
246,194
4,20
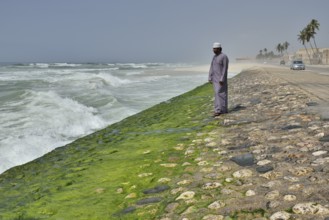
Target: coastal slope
266,159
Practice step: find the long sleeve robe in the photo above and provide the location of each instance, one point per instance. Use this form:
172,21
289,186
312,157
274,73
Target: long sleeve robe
218,73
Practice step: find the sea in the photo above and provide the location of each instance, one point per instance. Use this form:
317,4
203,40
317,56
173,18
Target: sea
47,105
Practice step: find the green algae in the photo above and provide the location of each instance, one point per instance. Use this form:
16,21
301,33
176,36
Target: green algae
81,180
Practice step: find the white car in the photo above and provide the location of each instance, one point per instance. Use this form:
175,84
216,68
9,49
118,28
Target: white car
297,65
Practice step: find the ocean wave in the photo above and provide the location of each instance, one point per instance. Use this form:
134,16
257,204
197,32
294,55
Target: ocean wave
42,121
113,80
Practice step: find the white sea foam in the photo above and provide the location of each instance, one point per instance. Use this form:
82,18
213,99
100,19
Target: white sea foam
52,121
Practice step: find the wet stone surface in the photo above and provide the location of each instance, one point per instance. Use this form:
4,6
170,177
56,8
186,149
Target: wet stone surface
267,156
244,159
156,189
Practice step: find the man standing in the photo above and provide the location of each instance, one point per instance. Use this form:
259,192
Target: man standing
218,78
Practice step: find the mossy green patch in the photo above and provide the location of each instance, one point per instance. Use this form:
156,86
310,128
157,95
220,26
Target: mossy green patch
98,176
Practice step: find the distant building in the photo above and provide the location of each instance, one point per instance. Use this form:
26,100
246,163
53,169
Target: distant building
316,58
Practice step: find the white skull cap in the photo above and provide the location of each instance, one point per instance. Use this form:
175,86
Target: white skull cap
216,45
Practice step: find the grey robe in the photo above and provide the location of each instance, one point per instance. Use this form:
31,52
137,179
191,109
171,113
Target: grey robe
218,73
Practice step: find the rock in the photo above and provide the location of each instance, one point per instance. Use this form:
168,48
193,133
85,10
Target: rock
145,175
186,164
189,210
264,169
272,195
213,217
227,191
171,207
324,138
203,163
290,127
271,175
211,144
168,165
127,210
213,185
320,161
310,208
319,153
119,190
184,182
263,162
244,173
131,196
292,179
156,189
149,200
250,193
289,198
214,176
296,187
177,190
301,171
282,215
244,159
272,204
216,205
229,179
271,184
164,180
186,195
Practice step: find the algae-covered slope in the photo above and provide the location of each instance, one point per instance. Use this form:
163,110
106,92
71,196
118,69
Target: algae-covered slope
103,175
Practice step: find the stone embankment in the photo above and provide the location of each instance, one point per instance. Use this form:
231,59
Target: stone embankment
267,160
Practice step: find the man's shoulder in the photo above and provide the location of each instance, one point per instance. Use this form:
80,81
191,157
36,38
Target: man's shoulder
222,56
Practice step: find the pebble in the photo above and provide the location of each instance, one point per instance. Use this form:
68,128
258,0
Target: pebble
156,189
213,217
250,193
244,159
213,185
244,173
264,169
319,153
168,165
164,180
289,198
281,215
149,201
263,162
216,205
186,195
272,195
310,208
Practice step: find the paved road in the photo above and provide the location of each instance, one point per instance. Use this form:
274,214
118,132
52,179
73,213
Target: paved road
314,80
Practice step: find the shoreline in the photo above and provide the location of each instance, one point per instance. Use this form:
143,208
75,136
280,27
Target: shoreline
266,159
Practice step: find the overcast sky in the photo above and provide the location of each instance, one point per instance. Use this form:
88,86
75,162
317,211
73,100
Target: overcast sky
152,30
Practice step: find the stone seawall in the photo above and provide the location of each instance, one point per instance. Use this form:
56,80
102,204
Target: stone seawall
269,162
267,159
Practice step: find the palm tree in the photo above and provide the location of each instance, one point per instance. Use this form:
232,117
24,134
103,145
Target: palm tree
279,48
302,38
314,25
308,35
285,46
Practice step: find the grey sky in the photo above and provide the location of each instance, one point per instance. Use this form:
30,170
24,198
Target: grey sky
151,30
